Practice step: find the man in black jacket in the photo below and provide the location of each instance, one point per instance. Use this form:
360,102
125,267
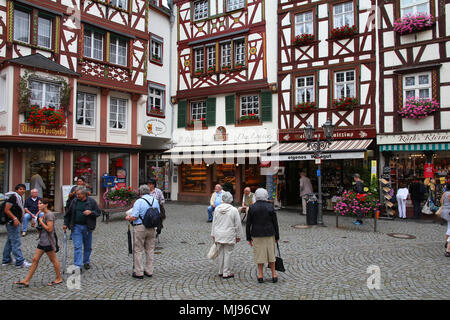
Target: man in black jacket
358,187
417,191
81,218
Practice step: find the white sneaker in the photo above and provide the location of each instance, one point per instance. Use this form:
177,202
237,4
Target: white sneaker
25,264
7,264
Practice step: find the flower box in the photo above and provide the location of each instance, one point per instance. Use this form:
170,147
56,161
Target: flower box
156,111
250,118
413,23
211,70
193,123
345,103
198,72
239,66
418,108
305,107
226,68
303,40
51,118
343,32
156,58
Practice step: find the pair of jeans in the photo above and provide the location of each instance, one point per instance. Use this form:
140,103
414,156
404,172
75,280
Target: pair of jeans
210,213
13,244
26,220
82,245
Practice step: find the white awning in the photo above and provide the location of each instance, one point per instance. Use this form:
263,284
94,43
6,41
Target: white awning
298,151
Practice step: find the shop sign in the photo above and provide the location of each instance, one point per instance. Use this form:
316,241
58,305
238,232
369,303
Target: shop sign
25,128
348,134
407,138
303,157
428,170
155,127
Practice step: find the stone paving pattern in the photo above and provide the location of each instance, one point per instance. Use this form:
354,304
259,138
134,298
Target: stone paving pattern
321,263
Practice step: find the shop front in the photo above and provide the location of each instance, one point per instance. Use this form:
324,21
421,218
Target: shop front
152,166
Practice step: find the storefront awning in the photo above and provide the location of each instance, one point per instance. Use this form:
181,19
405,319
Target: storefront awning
297,151
212,153
416,147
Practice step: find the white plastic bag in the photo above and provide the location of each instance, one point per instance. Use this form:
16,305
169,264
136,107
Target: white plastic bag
213,252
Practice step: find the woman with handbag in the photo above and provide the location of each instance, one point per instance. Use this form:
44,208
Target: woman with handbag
263,233
445,214
48,243
226,231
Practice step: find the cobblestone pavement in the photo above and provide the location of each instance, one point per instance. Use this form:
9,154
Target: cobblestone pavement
321,263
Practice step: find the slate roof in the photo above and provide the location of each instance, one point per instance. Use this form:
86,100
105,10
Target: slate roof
37,60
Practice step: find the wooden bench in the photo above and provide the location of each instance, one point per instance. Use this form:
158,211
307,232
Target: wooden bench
106,212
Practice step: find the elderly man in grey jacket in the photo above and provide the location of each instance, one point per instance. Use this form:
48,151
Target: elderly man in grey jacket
305,189
226,232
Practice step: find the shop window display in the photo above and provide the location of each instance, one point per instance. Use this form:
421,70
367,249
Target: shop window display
85,164
119,166
157,169
193,178
225,175
253,178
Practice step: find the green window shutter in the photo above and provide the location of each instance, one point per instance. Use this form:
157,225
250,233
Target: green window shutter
230,109
211,112
266,106
182,109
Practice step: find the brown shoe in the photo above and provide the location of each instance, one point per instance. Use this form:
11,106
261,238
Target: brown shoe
229,276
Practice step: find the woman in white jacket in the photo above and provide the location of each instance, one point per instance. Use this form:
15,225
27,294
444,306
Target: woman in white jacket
226,232
402,196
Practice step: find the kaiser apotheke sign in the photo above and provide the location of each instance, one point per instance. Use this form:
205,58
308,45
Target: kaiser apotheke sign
410,138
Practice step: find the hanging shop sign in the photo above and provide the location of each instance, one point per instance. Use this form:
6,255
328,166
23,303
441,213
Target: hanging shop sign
432,137
299,135
155,127
428,170
25,128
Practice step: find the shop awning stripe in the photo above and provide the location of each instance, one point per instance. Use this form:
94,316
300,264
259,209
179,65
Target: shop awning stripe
416,147
336,146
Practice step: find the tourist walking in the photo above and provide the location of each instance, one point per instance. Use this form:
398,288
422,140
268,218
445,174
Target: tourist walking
247,200
358,187
14,213
445,214
417,192
31,210
402,197
216,199
262,233
143,238
81,219
306,188
47,244
226,231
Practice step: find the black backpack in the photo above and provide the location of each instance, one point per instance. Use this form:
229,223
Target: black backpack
152,217
3,216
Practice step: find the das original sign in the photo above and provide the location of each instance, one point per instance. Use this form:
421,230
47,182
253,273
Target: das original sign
432,137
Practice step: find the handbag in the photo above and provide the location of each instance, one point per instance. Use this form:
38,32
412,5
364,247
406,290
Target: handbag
426,208
213,252
279,265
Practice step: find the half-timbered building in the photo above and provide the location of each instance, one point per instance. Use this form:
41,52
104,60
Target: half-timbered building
225,75
73,77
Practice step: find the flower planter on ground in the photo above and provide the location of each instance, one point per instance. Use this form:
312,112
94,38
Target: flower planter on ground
418,108
352,203
120,196
346,103
305,107
413,23
343,32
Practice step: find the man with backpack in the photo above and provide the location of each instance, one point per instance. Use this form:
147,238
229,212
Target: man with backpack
145,217
13,211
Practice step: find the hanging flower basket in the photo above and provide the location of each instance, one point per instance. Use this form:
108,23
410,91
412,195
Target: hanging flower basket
343,32
345,103
413,23
305,107
303,40
418,108
352,203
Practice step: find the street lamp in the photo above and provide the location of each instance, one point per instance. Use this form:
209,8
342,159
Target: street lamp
317,147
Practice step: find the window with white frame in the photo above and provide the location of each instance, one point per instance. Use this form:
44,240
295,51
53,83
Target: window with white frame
198,58
123,4
118,51
239,52
343,14
156,48
304,23
414,6
155,100
21,26
45,94
44,32
198,110
211,56
235,4
304,87
417,86
93,44
249,105
86,109
118,113
3,92
200,9
344,84
225,54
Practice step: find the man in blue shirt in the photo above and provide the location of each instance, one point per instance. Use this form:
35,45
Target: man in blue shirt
143,238
31,210
215,200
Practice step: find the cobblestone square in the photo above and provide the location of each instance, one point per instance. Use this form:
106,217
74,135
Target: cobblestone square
322,263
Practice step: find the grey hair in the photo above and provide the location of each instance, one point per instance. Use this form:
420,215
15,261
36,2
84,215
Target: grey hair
261,194
144,189
83,190
227,197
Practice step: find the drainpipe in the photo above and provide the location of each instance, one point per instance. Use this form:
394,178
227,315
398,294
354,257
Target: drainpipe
172,20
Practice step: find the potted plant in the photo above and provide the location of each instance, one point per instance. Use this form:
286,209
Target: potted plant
122,196
226,68
303,39
413,23
211,70
306,106
345,103
239,65
352,203
249,117
198,72
418,108
343,32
